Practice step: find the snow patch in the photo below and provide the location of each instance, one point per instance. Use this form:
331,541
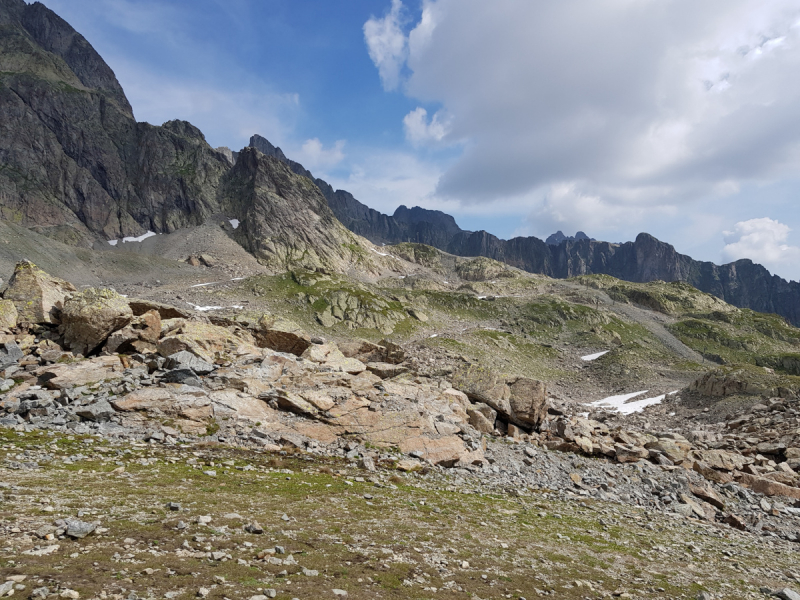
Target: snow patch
234,223
140,238
435,335
594,356
621,405
208,308
113,242
205,284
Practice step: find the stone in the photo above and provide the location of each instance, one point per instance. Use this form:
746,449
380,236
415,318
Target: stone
786,594
528,401
292,402
674,451
408,464
165,311
212,343
83,373
8,315
37,296
182,377
89,317
97,411
142,332
386,370
281,335
254,528
337,592
768,487
10,354
482,417
187,360
481,384
78,529
720,477
367,463
708,495
445,451
626,453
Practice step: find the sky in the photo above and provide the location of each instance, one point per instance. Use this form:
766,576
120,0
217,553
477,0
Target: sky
520,117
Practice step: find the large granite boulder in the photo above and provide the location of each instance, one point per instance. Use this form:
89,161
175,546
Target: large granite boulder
89,317
212,343
520,400
37,296
281,335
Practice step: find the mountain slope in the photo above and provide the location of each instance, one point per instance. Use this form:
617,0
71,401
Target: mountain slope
75,163
741,283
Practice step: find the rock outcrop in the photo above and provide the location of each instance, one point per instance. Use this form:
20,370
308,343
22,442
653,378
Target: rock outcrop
37,296
76,164
89,317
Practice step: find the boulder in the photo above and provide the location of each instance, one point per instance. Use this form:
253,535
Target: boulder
520,400
8,315
89,317
707,494
37,296
165,311
291,402
281,335
481,384
445,451
528,401
97,411
187,360
720,477
626,453
10,354
86,372
674,451
329,355
212,343
482,417
769,487
386,370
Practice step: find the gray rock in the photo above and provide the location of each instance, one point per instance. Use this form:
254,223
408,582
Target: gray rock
786,594
10,354
187,360
78,529
183,376
98,411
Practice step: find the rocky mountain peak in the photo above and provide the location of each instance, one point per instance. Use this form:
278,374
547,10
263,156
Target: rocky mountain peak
55,35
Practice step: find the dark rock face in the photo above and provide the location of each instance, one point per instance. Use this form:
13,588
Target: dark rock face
285,219
75,164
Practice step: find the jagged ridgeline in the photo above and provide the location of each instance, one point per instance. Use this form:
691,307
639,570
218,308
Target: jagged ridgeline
76,166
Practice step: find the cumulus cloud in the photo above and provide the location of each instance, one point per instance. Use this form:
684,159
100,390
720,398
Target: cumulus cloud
647,104
763,241
420,130
314,155
387,44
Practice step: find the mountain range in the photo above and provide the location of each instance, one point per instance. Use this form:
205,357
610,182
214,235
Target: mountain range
76,166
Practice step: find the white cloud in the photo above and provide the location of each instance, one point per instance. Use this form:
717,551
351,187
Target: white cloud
227,115
420,130
387,44
384,180
643,104
763,241
313,155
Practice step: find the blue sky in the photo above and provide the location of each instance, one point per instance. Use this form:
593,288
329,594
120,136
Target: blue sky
516,116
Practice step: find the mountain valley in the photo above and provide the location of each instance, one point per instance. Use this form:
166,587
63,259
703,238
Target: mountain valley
221,378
